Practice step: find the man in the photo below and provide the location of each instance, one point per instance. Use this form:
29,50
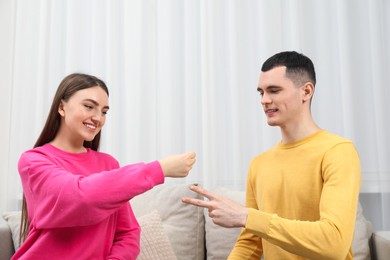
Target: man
301,195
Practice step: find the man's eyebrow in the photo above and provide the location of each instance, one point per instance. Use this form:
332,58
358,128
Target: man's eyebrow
95,102
269,87
274,87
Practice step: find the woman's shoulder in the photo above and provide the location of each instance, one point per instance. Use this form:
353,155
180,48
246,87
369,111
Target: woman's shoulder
35,156
36,151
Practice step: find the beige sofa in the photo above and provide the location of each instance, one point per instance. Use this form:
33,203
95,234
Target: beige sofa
173,230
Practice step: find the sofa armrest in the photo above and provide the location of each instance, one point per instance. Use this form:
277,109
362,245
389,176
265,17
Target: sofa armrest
381,245
6,244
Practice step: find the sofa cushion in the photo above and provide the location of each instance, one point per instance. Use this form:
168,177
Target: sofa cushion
362,235
6,243
13,219
184,224
381,244
220,240
154,242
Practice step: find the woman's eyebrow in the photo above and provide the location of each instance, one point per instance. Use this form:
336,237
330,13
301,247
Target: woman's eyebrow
95,103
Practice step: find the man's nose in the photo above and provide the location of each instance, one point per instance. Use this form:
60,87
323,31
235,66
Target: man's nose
265,99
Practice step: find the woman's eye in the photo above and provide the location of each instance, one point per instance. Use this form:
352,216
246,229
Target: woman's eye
88,106
105,112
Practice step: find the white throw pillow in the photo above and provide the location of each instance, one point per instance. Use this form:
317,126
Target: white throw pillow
154,242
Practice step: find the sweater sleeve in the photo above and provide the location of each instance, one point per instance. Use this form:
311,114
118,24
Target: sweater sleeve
248,245
331,236
127,235
58,198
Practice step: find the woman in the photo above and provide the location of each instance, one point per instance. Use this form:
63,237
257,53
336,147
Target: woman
76,198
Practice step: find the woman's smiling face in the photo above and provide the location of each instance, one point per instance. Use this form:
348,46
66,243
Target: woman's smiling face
83,114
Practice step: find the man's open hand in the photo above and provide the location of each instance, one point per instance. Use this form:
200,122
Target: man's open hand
223,211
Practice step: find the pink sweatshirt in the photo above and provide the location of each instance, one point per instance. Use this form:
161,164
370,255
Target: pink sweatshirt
78,204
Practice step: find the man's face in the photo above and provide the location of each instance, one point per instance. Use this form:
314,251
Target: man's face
281,99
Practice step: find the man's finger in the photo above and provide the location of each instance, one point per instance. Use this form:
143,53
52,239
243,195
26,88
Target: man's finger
202,192
196,202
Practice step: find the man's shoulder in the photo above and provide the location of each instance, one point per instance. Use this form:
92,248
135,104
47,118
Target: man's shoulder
332,138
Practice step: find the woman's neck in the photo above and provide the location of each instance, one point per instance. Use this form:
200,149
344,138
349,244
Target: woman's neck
68,146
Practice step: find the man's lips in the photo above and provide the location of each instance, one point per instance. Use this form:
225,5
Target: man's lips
270,111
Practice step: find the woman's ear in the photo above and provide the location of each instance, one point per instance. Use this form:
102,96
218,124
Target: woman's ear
61,108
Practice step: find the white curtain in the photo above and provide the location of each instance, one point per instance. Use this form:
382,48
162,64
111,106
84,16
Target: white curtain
183,75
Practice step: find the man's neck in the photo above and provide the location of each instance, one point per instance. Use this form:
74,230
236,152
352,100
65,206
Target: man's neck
296,132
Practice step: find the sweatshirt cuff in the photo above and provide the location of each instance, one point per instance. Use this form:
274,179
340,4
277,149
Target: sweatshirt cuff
156,172
258,223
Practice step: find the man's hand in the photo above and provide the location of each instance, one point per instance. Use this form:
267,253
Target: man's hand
223,211
178,166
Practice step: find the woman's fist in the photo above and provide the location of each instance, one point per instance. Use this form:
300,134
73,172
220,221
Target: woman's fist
178,166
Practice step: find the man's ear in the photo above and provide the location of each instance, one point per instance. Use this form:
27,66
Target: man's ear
61,108
308,91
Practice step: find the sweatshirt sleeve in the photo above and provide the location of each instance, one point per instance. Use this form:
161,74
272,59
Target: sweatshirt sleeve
58,198
127,235
248,245
333,232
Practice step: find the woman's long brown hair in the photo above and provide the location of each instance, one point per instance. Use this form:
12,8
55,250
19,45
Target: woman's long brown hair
68,86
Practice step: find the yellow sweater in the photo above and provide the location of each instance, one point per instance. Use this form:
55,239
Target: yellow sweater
303,198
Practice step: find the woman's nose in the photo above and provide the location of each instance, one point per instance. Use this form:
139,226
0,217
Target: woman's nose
96,116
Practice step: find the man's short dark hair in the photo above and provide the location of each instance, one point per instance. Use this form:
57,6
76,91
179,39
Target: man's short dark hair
299,68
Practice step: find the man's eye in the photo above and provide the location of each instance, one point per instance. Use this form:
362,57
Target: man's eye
105,112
